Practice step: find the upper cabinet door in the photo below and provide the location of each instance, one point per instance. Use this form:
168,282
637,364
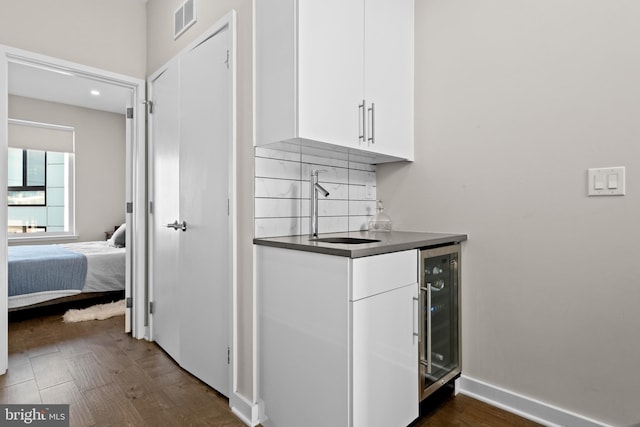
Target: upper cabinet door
388,76
309,70
330,70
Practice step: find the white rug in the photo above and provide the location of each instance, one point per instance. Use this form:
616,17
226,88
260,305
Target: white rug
96,312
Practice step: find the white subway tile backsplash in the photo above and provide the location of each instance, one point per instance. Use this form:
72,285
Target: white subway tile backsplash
277,208
282,192
278,188
336,191
329,174
362,207
332,224
361,177
276,168
272,227
327,207
359,223
362,192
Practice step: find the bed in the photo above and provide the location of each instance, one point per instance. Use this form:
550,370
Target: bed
42,273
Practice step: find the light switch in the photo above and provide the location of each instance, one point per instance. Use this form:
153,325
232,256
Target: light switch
606,181
598,182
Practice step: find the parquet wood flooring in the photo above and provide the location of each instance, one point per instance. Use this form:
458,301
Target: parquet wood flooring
111,379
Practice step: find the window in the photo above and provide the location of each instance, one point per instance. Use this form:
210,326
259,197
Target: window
40,180
27,177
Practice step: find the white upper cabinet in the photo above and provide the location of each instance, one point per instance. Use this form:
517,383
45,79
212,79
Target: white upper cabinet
337,72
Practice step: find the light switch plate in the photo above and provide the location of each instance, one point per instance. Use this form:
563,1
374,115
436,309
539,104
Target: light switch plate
606,181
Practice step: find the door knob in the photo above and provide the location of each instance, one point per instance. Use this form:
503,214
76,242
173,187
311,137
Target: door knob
178,226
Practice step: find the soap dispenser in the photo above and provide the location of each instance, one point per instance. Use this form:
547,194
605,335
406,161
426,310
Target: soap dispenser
380,221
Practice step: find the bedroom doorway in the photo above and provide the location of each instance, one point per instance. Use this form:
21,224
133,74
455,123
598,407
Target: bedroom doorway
135,173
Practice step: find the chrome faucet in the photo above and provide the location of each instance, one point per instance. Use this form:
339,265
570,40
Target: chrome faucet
315,188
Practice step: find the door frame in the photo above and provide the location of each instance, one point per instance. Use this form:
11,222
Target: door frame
228,20
135,181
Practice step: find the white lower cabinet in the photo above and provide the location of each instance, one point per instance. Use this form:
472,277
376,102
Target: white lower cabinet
337,340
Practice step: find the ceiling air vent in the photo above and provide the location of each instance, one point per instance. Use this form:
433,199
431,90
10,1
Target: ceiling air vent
184,17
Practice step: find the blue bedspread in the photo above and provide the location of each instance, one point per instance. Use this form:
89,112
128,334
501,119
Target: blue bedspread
45,268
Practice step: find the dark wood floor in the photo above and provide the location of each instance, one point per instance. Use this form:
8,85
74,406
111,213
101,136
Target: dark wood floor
463,411
110,379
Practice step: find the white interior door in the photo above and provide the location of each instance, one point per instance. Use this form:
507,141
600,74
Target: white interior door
191,264
204,257
165,152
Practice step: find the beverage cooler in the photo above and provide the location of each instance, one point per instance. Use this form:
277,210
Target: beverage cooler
439,349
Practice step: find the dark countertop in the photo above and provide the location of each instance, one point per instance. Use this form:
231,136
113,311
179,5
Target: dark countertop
392,241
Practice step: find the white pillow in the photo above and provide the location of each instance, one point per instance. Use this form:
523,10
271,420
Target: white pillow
117,240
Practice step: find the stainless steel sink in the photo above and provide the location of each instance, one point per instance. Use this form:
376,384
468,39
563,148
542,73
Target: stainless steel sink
343,240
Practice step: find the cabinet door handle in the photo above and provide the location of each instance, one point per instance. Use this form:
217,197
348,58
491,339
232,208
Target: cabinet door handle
372,124
416,308
362,121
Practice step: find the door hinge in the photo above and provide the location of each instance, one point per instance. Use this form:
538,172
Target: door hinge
129,207
228,355
227,60
151,207
129,302
130,113
152,307
228,207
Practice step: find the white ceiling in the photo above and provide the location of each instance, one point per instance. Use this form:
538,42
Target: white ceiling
66,88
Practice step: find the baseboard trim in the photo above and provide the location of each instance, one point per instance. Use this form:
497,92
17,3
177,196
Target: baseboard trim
523,406
245,410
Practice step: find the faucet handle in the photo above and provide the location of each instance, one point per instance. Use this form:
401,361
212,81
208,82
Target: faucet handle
317,171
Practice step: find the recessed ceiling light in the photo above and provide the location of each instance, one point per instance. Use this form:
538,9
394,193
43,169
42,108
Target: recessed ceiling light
95,92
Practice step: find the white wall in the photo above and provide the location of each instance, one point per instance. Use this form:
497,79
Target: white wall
161,47
514,101
100,147
107,34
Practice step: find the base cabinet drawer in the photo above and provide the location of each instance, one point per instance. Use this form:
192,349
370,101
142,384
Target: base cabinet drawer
380,273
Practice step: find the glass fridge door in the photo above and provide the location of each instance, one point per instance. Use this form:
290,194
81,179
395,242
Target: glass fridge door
440,317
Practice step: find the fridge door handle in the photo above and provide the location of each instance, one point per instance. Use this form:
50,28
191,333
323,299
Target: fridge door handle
427,351
429,336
